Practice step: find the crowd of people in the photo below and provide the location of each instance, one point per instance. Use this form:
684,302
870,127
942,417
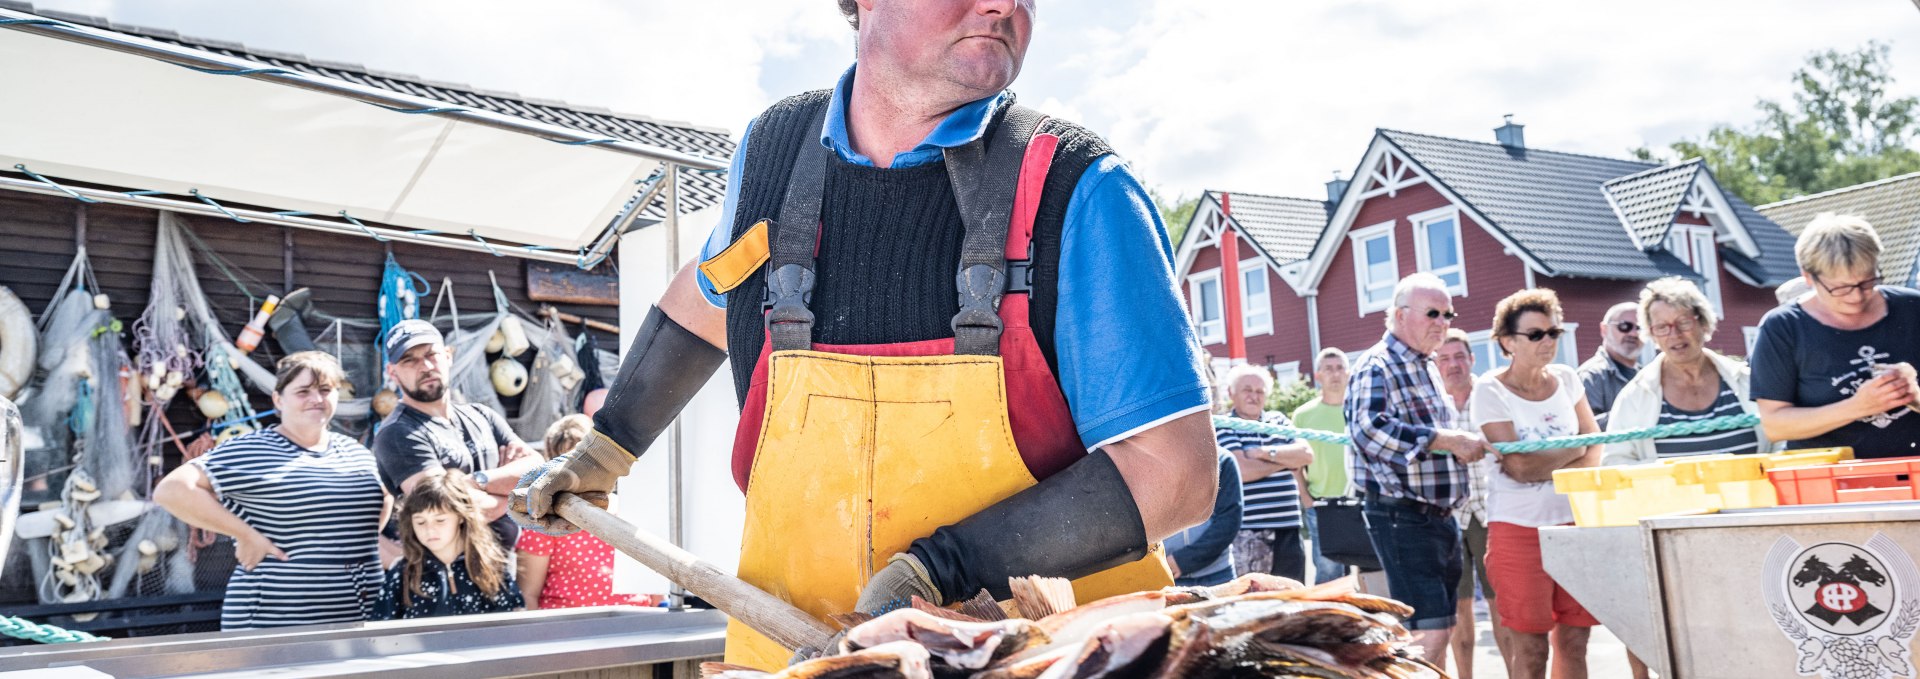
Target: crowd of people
1453,521
311,512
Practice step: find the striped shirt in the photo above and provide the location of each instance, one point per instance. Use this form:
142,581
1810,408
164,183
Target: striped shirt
1272,502
322,507
1736,441
1394,406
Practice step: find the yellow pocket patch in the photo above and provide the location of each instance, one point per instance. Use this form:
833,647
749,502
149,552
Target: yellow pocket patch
733,265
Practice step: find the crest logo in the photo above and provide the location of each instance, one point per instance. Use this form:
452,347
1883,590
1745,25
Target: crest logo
1842,605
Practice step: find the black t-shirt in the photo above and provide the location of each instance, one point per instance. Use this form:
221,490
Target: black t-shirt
1800,360
468,439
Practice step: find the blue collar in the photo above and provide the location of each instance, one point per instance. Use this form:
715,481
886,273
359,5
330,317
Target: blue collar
964,125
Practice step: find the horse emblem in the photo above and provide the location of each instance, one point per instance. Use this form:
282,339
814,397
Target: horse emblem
1849,621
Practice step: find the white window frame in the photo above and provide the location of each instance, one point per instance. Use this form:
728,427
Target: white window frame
1358,238
1256,317
1484,338
1215,331
1285,374
1568,351
1425,258
1706,262
1751,334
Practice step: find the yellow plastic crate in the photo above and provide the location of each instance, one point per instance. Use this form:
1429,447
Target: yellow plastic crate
1622,495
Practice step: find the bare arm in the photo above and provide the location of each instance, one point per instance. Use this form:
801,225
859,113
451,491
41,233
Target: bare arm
1783,421
520,459
531,575
1539,466
1265,461
187,493
1163,466
683,303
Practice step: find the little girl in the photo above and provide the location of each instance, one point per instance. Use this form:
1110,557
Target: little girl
452,564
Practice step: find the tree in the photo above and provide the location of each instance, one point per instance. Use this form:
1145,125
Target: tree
1842,128
1175,212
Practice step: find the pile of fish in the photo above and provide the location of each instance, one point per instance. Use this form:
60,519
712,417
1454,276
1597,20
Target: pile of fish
1256,626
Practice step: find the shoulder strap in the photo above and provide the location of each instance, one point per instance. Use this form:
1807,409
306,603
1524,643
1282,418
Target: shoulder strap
790,281
984,175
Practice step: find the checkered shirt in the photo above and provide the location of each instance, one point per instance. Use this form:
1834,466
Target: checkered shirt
1394,405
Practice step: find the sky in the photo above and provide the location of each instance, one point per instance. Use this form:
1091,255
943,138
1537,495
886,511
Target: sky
1242,95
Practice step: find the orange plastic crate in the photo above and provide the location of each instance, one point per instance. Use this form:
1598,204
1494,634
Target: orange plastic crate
1888,480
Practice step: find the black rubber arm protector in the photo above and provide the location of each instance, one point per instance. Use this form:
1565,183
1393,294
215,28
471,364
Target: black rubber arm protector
665,366
1078,522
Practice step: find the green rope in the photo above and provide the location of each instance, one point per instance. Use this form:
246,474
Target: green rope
1662,431
21,628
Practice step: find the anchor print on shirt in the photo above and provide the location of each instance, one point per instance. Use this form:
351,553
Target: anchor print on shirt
1868,357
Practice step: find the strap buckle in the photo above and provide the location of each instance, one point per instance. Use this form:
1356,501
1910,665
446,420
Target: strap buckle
979,319
790,288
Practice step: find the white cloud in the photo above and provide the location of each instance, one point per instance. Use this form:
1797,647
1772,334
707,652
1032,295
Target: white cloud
1236,94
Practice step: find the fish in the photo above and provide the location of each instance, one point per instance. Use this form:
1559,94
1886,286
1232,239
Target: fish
956,643
1122,646
893,660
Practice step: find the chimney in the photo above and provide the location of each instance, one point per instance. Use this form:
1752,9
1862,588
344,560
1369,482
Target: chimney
1336,188
1510,134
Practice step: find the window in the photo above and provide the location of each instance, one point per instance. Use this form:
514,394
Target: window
1436,237
1486,352
1695,246
1376,268
1208,317
1256,301
1285,374
1752,335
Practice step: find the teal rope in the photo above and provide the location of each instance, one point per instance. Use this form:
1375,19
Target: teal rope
23,168
20,628
1662,431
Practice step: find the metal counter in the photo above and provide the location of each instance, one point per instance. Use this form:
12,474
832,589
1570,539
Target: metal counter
1746,594
609,642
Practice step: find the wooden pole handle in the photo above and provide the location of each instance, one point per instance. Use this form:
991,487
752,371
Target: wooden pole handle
766,614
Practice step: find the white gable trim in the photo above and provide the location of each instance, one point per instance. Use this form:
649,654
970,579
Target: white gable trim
1204,229
1349,209
1706,198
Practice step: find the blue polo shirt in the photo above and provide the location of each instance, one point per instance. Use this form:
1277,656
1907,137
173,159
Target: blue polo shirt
1128,356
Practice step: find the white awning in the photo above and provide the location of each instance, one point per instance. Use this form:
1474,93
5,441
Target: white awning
96,106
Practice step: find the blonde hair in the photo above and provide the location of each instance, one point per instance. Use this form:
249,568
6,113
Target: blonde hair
566,433
1683,295
1837,244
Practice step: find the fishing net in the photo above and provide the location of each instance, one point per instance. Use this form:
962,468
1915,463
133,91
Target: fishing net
551,384
178,330
110,458
469,380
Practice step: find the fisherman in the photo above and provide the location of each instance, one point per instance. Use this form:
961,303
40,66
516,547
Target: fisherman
931,297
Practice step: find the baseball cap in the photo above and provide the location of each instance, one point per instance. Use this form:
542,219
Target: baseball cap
408,334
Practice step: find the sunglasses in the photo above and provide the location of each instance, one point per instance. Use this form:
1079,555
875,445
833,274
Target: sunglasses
1626,326
1436,313
1537,335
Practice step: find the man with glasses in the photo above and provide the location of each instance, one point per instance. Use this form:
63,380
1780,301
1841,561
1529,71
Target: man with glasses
1617,360
1410,459
1835,368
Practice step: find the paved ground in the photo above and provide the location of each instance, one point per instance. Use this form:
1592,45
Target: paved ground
1606,657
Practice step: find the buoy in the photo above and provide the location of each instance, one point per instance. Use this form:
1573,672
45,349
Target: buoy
509,377
497,341
147,548
18,344
384,402
86,495
212,404
175,378
516,335
179,313
102,302
230,432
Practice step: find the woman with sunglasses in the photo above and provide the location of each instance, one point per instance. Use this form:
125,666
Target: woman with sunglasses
1686,382
1532,398
1835,368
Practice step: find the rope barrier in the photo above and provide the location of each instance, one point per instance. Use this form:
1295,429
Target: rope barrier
20,628
1723,423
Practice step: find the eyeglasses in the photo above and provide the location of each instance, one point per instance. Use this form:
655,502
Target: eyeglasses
1664,329
1436,313
1866,285
1539,334
1626,326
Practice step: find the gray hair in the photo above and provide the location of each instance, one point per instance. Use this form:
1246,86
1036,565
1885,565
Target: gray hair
1418,280
1330,352
850,10
1236,372
1836,244
1681,294
1617,308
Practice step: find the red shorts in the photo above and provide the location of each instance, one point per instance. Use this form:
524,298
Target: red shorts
1528,599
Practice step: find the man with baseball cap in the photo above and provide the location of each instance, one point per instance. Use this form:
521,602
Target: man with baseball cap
428,433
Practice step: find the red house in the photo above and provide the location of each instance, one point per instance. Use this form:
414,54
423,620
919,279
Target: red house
1494,217
1272,237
